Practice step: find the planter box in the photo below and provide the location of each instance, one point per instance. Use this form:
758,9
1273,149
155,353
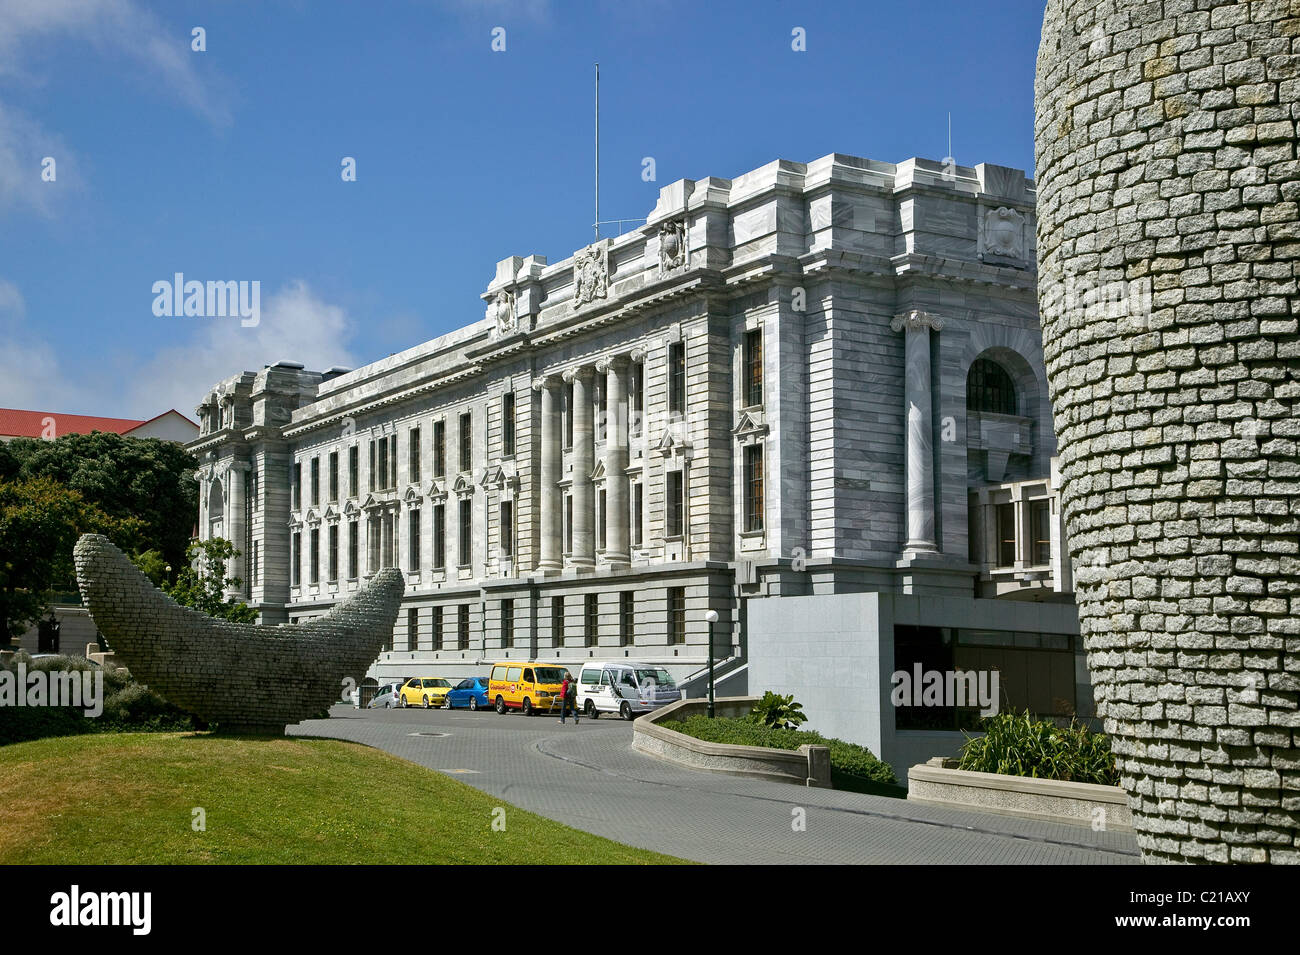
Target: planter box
805,766
1083,804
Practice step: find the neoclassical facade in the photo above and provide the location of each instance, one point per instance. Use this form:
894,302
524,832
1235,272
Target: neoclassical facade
815,378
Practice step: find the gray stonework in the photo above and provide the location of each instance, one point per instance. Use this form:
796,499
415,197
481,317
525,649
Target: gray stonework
820,261
243,677
1168,242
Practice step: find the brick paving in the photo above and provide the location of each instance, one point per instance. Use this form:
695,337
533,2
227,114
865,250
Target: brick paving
590,778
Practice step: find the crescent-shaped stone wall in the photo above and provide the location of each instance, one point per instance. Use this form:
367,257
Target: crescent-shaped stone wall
1168,243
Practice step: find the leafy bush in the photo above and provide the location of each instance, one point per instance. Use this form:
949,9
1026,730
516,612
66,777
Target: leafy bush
128,706
777,711
1015,744
853,767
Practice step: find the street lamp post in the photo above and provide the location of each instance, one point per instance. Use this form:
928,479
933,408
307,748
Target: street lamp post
712,618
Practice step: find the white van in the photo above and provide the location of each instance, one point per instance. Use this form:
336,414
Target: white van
624,687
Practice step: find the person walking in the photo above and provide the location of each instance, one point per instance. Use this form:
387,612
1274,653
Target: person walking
568,692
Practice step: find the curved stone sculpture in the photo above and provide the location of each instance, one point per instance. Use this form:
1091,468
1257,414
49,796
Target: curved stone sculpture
244,677
1168,243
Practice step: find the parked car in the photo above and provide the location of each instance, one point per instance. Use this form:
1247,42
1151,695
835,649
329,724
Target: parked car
471,693
423,691
385,697
624,687
516,685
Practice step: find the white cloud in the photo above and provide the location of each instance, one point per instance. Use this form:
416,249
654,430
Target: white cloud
28,365
113,27
295,324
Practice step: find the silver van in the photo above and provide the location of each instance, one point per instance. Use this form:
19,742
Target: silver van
624,687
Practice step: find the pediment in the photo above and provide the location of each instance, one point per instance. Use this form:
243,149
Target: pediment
750,423
436,489
412,495
598,473
463,485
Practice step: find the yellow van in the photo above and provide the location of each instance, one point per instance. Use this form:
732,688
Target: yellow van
527,686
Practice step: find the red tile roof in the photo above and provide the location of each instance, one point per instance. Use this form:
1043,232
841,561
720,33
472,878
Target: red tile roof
32,424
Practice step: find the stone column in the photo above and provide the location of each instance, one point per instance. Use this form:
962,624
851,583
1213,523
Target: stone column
617,516
234,524
584,461
549,553
920,425
1185,535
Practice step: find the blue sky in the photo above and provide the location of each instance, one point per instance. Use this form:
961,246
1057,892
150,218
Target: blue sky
225,164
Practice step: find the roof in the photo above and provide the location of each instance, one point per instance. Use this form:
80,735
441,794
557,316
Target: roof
15,423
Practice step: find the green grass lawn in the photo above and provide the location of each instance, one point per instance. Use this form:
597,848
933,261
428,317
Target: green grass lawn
129,798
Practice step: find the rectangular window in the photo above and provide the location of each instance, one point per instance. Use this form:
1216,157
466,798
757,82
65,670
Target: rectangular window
436,628
392,460
635,375
315,482
466,441
753,367
252,494
296,486
372,543
370,474
462,627
676,615
677,378
334,476
412,629
568,414
673,504
383,463
557,620
254,567
568,523
439,536
439,448
1040,529
413,456
625,611
353,470
508,623
334,553
353,528
1006,517
466,531
390,541
413,539
314,568
591,620
753,487
508,424
297,558
507,528
600,519
638,502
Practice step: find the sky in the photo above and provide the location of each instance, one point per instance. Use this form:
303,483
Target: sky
127,156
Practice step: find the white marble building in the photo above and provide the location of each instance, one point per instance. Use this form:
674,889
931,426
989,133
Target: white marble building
814,378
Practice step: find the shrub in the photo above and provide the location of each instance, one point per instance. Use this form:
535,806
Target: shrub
1015,744
853,767
777,711
128,706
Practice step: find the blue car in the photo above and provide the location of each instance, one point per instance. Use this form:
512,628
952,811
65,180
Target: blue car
471,693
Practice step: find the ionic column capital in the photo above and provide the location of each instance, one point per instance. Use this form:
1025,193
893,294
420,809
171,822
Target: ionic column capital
542,382
916,320
617,362
582,372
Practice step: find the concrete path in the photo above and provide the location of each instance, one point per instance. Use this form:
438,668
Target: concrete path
588,777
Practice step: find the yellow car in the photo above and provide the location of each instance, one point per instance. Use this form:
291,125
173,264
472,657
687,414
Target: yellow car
423,691
525,686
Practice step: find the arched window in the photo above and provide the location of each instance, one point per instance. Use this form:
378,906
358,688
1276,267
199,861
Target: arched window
989,388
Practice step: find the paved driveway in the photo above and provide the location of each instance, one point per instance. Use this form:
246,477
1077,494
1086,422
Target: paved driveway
588,776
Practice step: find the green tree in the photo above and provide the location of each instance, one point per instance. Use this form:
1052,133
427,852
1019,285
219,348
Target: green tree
141,478
40,521
202,582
